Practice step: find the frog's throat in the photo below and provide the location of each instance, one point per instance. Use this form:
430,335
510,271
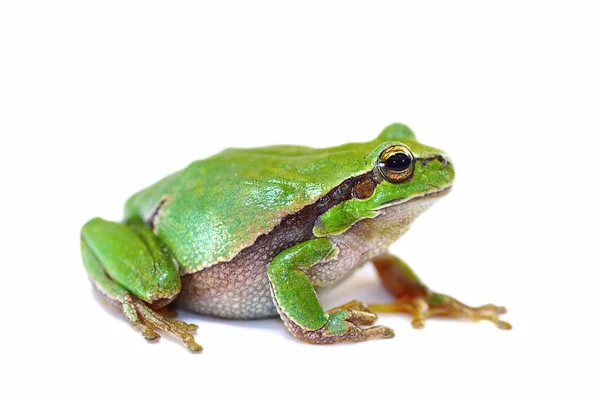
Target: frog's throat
434,193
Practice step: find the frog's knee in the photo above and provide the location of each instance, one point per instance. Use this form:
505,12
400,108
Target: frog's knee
132,257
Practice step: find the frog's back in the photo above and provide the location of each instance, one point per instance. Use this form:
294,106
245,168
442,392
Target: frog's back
216,207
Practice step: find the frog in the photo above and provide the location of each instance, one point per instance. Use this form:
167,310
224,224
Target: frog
254,233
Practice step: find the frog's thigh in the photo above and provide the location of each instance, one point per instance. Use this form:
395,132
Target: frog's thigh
414,297
122,260
299,306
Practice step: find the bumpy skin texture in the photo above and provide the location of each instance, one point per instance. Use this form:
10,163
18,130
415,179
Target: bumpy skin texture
240,289
224,223
256,232
213,209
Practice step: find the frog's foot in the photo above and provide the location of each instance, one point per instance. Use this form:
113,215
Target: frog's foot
440,305
143,319
415,298
344,325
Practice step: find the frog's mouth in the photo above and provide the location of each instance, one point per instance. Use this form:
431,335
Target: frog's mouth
432,195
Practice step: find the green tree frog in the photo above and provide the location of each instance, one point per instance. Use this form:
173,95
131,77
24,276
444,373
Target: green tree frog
256,233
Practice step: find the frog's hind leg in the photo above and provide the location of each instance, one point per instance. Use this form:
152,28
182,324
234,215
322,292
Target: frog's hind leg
414,298
130,266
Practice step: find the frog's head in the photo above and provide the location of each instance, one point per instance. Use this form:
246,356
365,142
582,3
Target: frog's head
399,177
404,169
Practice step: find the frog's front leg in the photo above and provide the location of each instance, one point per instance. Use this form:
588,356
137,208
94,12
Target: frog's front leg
300,308
413,297
130,266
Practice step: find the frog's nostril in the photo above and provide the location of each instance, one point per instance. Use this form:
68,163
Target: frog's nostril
442,160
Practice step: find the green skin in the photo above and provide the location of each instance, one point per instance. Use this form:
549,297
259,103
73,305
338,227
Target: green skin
199,227
217,207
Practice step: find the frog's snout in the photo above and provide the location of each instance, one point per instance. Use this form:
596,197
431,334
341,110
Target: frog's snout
447,168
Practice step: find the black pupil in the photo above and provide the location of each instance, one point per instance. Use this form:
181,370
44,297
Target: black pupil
398,162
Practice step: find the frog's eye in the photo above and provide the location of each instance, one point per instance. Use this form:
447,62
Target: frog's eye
396,164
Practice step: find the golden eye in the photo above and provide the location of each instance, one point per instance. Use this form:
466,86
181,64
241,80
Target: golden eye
396,164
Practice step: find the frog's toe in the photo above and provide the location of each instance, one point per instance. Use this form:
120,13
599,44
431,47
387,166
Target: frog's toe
488,312
361,317
498,310
355,333
345,325
379,332
142,318
439,305
137,323
358,313
190,328
351,305
447,306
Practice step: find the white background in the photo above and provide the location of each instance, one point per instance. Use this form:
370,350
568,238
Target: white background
99,99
